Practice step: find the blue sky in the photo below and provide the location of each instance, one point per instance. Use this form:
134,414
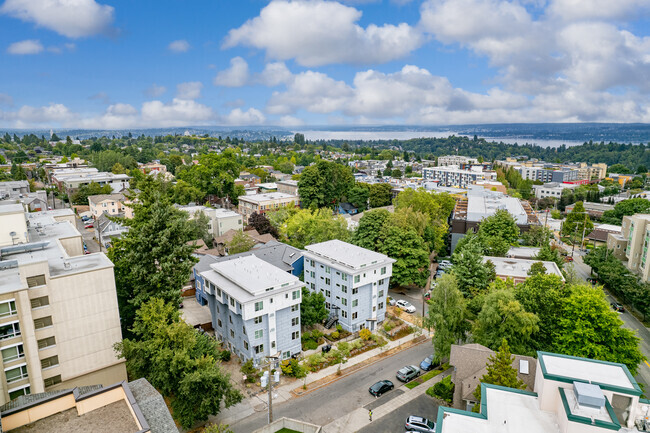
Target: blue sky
127,64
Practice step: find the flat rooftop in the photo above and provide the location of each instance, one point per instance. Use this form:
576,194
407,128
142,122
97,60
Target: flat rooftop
115,417
518,268
254,274
587,370
347,254
268,196
526,252
482,203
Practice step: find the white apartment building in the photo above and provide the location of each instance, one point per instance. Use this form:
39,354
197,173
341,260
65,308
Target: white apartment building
255,307
262,203
453,176
456,160
59,317
71,179
220,220
109,204
571,395
354,281
552,189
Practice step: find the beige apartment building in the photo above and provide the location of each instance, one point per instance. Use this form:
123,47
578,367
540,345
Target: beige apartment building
597,171
109,204
262,203
288,187
59,317
633,240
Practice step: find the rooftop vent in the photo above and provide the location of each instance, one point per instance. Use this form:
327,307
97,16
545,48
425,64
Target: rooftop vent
589,395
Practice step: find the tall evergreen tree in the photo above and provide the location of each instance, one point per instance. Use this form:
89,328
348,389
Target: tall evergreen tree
500,372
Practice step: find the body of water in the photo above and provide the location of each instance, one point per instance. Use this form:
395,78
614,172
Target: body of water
406,135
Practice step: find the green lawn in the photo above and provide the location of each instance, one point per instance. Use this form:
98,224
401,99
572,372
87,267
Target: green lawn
426,376
286,430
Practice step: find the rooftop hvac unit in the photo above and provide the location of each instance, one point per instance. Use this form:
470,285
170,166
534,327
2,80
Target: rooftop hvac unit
589,395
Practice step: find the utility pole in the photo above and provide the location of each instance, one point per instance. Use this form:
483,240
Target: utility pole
584,228
270,361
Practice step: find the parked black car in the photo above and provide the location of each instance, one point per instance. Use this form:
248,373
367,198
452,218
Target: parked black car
618,307
381,387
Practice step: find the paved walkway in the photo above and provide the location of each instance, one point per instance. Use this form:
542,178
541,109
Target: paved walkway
358,418
283,393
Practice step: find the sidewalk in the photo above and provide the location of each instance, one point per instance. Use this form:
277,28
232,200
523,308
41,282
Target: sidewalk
358,418
283,393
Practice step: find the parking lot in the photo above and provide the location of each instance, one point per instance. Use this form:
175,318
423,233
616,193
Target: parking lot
394,423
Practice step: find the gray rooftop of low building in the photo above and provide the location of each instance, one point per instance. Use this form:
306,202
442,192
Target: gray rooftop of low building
482,203
253,274
518,268
278,254
347,254
267,196
153,407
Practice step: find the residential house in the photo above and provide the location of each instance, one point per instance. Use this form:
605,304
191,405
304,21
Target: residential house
552,189
289,187
571,395
470,365
108,229
220,220
109,204
262,203
517,269
594,210
601,232
59,318
353,280
221,242
255,308
70,180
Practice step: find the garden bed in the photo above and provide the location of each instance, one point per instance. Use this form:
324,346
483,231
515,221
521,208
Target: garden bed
426,376
318,361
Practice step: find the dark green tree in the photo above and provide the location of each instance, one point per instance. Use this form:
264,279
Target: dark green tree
358,196
368,233
312,308
500,372
324,184
410,252
472,274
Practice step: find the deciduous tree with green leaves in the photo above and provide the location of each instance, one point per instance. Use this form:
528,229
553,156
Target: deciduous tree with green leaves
240,243
358,196
312,308
587,327
497,232
502,316
368,233
447,315
577,221
306,227
179,361
380,194
410,252
261,223
324,184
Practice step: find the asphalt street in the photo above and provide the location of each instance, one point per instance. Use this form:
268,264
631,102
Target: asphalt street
423,406
343,396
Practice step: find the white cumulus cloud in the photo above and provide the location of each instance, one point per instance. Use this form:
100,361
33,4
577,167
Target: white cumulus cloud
318,32
28,46
189,90
252,116
71,18
155,91
274,74
578,10
178,112
179,46
235,76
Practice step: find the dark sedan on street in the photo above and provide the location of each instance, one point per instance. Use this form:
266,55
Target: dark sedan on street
408,373
381,387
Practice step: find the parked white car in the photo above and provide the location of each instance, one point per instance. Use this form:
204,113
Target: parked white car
406,306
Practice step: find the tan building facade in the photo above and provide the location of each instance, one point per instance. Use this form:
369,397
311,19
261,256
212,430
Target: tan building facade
59,317
262,203
110,204
595,171
634,237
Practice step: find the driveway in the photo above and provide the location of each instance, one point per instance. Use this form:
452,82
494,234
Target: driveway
343,396
87,235
394,422
413,295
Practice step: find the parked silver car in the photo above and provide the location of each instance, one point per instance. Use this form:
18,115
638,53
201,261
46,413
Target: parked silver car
419,424
408,373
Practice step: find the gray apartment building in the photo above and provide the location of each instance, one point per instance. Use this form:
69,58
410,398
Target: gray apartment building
255,307
354,281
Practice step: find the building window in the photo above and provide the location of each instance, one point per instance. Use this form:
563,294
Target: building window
259,334
49,362
232,334
9,330
381,305
327,293
259,306
344,289
355,290
383,270
344,277
312,274
15,393
257,320
327,270
232,302
327,305
14,374
295,308
230,319
313,287
52,380
354,315
295,335
357,278
327,281
259,349
219,323
355,302
295,294
381,293
8,308
46,342
381,282
344,314
36,280
13,353
43,301
344,302
286,355
43,322
246,345
243,329
295,321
